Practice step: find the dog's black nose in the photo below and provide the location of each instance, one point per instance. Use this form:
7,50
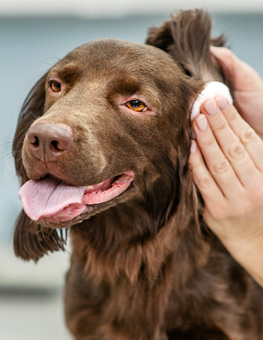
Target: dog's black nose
47,141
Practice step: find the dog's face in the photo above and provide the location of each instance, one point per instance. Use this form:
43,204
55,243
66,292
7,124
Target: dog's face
112,112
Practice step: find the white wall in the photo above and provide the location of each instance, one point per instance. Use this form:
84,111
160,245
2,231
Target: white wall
122,7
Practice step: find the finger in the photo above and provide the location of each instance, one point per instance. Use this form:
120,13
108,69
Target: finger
230,144
251,141
206,184
217,163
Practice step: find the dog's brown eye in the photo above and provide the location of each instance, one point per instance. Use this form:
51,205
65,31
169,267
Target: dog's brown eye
55,86
136,105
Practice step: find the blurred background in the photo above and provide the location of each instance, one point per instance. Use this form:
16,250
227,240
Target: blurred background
33,36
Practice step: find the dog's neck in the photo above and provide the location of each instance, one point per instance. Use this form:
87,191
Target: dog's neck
109,251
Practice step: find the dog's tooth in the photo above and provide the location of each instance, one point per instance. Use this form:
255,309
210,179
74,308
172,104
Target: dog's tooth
89,187
123,179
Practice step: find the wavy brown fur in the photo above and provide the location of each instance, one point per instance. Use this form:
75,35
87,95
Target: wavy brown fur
143,266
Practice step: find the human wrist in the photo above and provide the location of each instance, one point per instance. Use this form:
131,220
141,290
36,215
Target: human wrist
248,253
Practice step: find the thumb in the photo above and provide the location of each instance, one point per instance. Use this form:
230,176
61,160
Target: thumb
242,77
245,84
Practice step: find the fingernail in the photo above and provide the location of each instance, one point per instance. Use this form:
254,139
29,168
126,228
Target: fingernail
193,146
201,122
211,107
221,102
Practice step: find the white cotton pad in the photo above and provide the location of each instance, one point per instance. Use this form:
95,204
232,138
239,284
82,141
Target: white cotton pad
213,89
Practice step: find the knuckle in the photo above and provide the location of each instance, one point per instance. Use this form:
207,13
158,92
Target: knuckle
237,151
207,141
222,166
194,165
231,113
203,182
219,124
248,135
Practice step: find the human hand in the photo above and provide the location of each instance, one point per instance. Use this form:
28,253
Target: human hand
230,179
245,84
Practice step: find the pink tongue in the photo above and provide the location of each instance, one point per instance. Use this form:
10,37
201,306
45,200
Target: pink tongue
48,197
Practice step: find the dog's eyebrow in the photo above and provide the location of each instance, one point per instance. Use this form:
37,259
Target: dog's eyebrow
124,85
69,73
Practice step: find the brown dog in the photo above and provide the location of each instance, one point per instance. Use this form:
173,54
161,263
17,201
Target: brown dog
104,139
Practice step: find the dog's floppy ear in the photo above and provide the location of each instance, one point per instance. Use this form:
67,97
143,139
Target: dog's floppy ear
186,37
32,241
33,107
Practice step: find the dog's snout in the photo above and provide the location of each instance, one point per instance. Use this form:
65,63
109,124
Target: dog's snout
48,141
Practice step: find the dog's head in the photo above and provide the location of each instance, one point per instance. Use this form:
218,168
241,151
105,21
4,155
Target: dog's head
108,124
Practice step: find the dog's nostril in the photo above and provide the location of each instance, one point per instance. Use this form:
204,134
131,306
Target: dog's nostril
55,145
60,145
48,141
33,140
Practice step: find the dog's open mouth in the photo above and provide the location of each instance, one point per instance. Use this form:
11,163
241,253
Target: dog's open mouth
51,199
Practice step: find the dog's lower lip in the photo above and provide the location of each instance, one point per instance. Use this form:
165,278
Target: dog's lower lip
107,190
106,184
